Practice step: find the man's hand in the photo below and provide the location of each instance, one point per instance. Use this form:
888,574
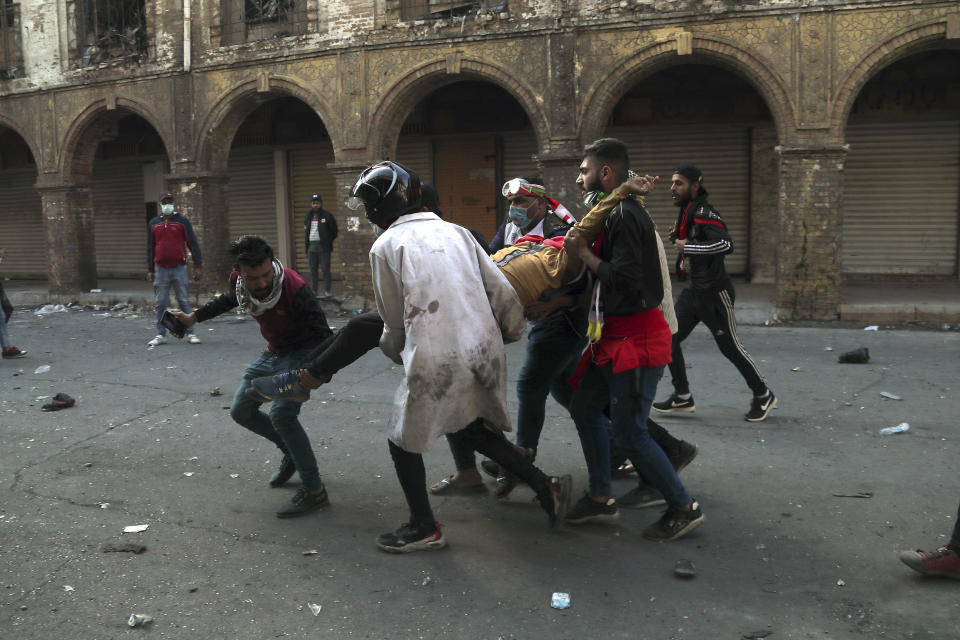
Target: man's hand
188,319
680,244
641,186
310,381
197,273
149,276
574,244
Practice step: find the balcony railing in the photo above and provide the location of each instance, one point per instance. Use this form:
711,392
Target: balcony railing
109,31
251,20
426,9
11,51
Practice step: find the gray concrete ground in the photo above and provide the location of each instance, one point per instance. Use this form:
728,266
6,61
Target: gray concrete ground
779,552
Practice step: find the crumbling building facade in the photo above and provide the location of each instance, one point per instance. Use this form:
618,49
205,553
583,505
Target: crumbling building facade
828,131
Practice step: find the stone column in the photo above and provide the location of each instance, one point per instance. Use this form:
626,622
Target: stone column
559,171
355,237
202,199
69,228
811,218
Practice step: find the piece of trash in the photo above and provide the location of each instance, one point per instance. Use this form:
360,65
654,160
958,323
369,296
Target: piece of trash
314,609
828,348
41,369
60,401
862,494
113,547
560,600
215,391
756,635
857,356
135,528
67,587
50,308
426,581
889,396
684,569
104,505
234,475
900,428
310,552
96,290
872,327
188,473
841,583
795,369
138,620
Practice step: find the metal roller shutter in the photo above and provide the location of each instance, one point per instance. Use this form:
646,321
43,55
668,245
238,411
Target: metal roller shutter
416,153
900,198
722,153
519,147
21,219
251,196
119,217
309,175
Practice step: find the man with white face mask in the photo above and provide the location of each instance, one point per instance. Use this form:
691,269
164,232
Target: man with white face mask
531,213
169,236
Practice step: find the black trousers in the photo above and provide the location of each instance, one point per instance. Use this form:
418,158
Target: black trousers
474,437
715,310
345,346
955,538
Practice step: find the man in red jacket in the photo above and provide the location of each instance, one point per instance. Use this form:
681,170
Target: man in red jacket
169,236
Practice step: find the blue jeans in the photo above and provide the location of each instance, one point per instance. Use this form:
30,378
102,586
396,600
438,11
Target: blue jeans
630,395
281,426
4,336
163,279
553,350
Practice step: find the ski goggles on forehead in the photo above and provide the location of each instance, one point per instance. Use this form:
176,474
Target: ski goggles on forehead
520,187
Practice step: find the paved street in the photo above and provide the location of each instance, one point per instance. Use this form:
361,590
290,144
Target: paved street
778,552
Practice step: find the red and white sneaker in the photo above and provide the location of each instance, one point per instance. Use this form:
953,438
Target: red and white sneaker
410,537
13,352
943,562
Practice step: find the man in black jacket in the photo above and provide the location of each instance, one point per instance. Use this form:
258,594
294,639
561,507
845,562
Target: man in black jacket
320,230
701,237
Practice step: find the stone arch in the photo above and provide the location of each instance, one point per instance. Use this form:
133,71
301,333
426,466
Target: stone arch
87,129
19,130
400,99
604,95
911,40
215,136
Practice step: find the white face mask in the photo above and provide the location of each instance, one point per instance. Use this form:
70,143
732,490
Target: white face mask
166,209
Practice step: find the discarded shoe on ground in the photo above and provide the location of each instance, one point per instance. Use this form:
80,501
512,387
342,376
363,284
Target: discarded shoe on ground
857,356
60,401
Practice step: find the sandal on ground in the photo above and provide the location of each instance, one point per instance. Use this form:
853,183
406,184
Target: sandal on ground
447,487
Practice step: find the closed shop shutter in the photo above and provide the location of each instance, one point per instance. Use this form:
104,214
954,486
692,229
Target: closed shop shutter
519,147
722,154
120,217
900,198
251,195
309,175
416,153
465,176
21,222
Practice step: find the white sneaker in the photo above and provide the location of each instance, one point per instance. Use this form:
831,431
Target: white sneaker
157,339
192,339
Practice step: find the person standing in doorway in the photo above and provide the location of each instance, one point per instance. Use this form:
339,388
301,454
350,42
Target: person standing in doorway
6,309
320,229
169,237
702,240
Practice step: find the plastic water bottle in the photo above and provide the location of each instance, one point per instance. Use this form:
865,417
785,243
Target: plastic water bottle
900,428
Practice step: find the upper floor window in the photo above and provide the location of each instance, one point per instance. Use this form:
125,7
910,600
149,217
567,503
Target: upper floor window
413,9
11,54
108,30
249,20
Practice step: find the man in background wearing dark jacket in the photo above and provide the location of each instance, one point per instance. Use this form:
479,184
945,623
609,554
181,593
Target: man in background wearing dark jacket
169,236
320,230
701,237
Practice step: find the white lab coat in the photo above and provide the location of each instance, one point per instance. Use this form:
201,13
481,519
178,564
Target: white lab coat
447,312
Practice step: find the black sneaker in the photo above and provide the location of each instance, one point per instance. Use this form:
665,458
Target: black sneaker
411,537
675,404
589,510
304,501
761,407
557,501
284,473
641,497
283,386
674,524
684,455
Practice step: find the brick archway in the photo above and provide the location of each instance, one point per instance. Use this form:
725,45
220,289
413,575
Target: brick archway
601,99
86,131
215,136
404,95
16,128
907,42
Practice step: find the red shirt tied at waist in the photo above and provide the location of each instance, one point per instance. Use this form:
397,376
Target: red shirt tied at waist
640,340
